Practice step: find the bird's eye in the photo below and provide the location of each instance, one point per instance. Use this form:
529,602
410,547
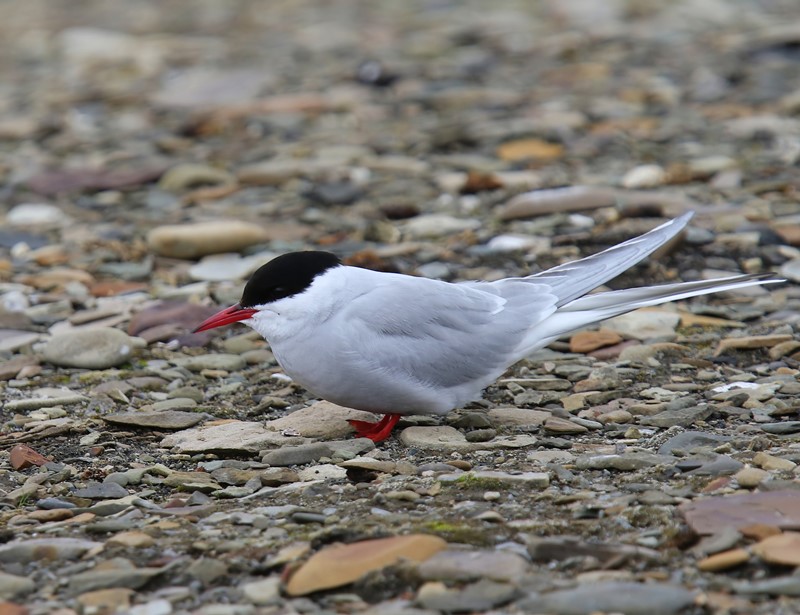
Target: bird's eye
278,289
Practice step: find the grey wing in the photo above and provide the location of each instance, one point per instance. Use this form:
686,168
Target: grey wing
443,335
576,278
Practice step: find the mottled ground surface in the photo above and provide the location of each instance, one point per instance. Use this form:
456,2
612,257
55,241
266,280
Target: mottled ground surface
153,154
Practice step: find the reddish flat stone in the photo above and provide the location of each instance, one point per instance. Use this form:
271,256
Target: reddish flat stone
23,456
776,508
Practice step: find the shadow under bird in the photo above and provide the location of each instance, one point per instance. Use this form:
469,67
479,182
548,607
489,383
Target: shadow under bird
395,344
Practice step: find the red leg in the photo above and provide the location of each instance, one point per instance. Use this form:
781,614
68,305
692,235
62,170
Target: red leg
377,432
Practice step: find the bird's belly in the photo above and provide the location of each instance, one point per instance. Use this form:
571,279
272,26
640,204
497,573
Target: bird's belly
338,380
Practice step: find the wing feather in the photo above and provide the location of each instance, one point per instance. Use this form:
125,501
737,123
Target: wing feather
442,335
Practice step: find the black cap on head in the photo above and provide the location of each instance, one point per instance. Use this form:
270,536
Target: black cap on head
286,275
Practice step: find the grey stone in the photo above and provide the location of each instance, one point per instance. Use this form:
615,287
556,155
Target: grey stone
475,597
12,586
207,570
470,565
611,597
264,592
34,549
96,348
788,585
168,419
481,435
430,226
221,361
297,455
682,417
726,538
710,465
534,480
122,574
48,400
243,436
101,491
626,462
791,270
784,427
689,441
445,438
558,548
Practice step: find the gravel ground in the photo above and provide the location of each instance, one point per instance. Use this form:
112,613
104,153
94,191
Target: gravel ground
154,154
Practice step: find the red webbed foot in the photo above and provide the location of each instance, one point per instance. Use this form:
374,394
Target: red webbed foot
377,432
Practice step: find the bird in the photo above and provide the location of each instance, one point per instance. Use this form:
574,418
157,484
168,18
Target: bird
396,344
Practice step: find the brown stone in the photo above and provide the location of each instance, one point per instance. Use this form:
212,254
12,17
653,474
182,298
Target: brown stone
134,539
711,514
54,514
724,560
750,342
339,565
563,426
780,549
111,600
23,456
759,531
534,149
586,341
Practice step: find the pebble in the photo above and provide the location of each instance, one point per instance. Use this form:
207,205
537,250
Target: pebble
627,462
35,549
453,172
692,441
101,491
534,480
773,463
190,175
114,573
783,549
297,455
207,570
223,267
587,341
612,597
36,214
12,586
322,472
217,361
778,586
431,226
750,478
264,592
190,241
517,416
321,419
167,419
790,270
782,427
750,342
460,566
644,176
683,417
98,348
557,200
645,324
337,565
555,425
482,595
724,560
241,436
133,539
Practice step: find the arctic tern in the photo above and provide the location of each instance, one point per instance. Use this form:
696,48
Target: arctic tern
395,344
